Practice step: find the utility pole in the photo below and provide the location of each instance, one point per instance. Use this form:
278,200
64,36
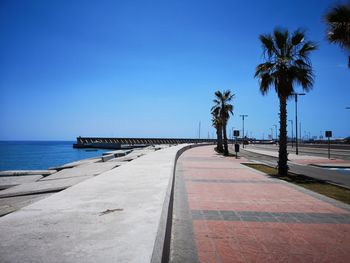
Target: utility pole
296,120
243,127
292,131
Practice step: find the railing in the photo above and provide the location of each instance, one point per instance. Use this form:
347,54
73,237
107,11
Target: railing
137,141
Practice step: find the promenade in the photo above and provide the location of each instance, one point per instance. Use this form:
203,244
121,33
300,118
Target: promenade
227,212
122,209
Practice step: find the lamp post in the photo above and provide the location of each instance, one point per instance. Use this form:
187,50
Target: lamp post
347,108
291,121
275,130
199,130
271,134
296,120
243,127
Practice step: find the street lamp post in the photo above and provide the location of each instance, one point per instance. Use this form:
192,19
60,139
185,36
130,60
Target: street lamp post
291,121
243,127
199,130
275,131
347,108
296,120
271,134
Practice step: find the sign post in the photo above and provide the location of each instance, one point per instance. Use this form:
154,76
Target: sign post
236,134
329,135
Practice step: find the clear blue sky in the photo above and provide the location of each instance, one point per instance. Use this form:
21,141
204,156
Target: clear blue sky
150,68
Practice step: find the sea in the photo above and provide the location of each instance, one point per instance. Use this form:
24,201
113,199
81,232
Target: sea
41,155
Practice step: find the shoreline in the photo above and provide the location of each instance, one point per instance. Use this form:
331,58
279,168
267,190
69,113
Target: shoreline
41,155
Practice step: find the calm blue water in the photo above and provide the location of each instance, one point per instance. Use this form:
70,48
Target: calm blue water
28,155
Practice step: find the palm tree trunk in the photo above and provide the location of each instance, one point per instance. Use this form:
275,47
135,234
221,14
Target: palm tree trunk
225,140
219,139
282,153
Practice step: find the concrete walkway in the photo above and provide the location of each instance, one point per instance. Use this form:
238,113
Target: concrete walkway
227,212
117,216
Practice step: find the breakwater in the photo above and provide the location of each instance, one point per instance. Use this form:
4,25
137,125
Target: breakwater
118,143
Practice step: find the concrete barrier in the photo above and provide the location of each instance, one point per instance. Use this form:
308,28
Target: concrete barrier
118,153
108,157
122,215
162,244
27,172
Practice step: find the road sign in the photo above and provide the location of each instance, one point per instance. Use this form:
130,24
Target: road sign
328,134
236,133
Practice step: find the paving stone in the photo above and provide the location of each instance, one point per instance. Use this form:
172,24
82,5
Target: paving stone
255,219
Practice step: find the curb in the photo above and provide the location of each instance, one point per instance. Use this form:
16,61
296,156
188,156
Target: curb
161,249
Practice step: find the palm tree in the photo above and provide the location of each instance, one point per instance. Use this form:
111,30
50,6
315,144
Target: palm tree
223,109
217,123
286,63
338,26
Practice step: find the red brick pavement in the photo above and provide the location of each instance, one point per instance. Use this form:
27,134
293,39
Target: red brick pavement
217,186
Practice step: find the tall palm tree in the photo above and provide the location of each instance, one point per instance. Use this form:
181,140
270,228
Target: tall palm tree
217,123
223,109
286,63
338,26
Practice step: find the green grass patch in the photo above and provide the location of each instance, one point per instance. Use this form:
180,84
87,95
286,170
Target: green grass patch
318,186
